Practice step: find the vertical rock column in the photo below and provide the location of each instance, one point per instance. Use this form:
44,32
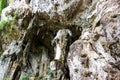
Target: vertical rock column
58,66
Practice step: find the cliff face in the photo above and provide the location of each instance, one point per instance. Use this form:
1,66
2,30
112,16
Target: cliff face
60,40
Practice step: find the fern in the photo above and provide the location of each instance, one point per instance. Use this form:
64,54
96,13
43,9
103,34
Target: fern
3,4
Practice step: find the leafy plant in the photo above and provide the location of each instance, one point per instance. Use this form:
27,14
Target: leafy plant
24,76
3,4
10,20
6,79
36,78
3,24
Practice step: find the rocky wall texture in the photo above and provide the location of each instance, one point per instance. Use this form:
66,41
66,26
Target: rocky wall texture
61,40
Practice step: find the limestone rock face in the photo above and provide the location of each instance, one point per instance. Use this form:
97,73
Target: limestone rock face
60,40
93,56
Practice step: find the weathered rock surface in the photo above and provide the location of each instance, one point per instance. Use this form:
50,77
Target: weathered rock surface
61,40
93,56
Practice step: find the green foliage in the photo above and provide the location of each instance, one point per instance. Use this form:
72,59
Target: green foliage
24,76
36,78
3,24
6,79
3,4
10,20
